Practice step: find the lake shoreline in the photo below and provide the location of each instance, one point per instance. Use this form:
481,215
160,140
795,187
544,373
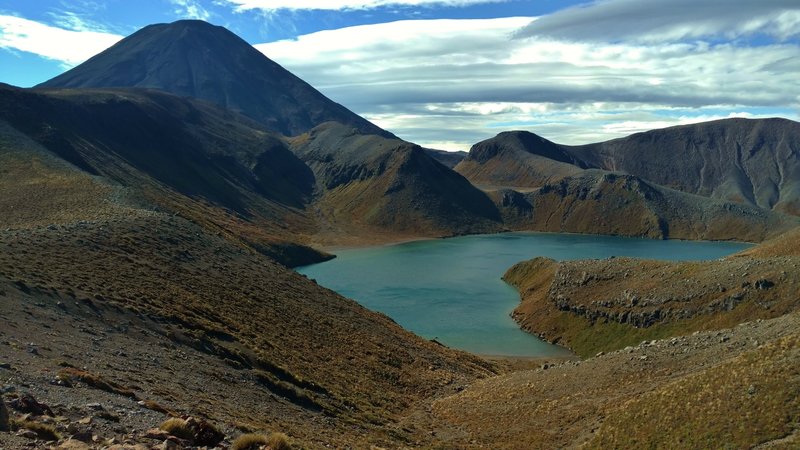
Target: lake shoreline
452,288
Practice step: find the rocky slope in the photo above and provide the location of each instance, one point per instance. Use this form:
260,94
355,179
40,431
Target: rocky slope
196,59
750,161
368,185
600,202
186,318
753,162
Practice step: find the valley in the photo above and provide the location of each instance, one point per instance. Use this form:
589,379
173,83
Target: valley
155,200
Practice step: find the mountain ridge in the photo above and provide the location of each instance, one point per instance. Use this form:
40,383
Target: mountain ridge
750,161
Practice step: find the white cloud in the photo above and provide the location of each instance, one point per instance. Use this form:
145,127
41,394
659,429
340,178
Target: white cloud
670,20
335,5
190,9
76,22
459,81
68,46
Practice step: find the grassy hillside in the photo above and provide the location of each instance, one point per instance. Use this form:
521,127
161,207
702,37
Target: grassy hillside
105,244
602,305
731,388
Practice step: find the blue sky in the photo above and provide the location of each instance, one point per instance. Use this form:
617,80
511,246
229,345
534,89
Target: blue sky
448,73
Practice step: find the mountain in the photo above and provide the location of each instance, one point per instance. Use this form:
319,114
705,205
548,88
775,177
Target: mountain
751,161
372,185
196,59
191,157
540,185
449,159
148,231
517,160
600,202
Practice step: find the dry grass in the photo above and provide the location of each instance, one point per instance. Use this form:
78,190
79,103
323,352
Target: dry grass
178,428
250,441
278,441
95,381
44,431
155,406
760,389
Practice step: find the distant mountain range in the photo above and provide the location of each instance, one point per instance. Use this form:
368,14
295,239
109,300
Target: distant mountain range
729,179
751,161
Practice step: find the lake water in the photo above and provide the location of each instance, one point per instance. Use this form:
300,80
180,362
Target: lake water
450,289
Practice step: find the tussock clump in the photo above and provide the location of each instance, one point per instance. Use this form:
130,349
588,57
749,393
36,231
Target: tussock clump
44,431
279,441
250,441
178,428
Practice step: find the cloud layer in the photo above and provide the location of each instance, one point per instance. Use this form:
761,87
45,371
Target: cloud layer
579,75
67,46
670,20
190,9
336,5
453,82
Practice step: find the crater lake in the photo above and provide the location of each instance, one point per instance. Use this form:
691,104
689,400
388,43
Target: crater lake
451,289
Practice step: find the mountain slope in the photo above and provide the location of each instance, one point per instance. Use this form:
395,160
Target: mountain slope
449,159
756,162
368,185
108,254
599,202
189,157
517,160
196,59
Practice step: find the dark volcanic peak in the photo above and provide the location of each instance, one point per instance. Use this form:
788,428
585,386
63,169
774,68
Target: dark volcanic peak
196,59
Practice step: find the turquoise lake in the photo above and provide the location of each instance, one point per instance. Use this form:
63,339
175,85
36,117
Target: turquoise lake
450,289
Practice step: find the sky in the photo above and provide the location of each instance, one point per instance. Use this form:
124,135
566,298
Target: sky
449,73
